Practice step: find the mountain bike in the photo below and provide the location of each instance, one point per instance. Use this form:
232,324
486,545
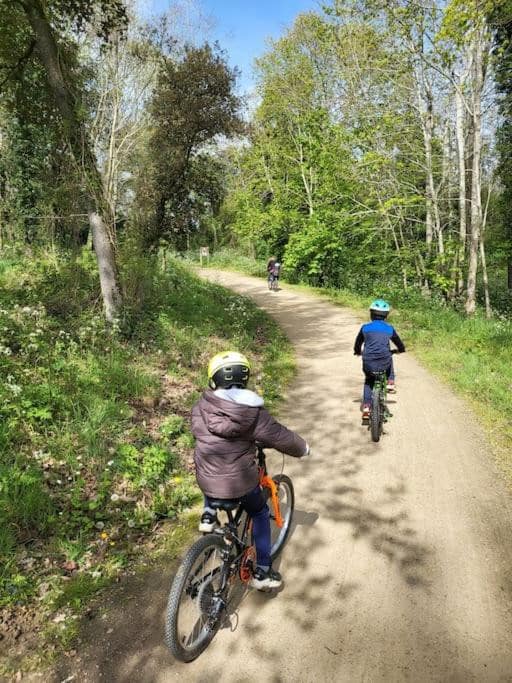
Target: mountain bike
200,594
379,411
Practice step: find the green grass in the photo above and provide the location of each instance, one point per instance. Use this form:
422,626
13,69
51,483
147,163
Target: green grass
472,355
94,435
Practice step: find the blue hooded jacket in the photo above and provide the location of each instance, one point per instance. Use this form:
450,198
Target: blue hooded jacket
376,336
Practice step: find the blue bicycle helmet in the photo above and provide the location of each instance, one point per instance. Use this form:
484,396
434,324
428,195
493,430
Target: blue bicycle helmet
379,309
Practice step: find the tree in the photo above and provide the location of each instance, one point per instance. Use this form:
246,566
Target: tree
45,24
193,106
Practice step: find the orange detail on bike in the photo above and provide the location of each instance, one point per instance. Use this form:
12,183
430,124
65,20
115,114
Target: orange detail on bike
247,564
269,483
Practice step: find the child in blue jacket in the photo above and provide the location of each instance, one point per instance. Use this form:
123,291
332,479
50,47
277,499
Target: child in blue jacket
373,339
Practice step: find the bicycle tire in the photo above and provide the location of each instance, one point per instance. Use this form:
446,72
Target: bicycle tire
375,417
173,638
284,483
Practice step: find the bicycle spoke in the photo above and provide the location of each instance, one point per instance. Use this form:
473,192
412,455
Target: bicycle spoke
195,603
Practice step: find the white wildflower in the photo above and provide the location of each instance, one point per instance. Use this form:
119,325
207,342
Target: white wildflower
15,388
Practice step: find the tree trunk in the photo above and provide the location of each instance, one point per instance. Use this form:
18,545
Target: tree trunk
47,50
433,213
488,311
106,265
461,156
476,182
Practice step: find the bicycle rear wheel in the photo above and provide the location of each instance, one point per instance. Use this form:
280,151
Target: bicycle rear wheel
192,620
286,497
376,417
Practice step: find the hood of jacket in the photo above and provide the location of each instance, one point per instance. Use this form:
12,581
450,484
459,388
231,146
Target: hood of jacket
225,418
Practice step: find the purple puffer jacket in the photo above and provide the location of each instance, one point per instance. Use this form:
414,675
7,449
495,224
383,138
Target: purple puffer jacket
226,433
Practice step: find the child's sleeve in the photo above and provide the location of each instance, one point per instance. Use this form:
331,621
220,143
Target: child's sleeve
359,342
272,434
397,341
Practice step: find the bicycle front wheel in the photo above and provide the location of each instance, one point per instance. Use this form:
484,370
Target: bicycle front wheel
376,417
286,496
192,619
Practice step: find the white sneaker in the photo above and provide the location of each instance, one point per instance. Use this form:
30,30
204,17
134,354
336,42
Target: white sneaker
208,523
262,580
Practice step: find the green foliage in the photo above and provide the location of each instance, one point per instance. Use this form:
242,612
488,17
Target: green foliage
182,184
36,513
231,259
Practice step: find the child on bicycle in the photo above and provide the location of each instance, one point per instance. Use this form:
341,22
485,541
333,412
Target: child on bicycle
273,269
227,421
270,265
373,339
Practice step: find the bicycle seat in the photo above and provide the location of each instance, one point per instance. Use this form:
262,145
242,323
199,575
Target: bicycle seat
377,373
223,503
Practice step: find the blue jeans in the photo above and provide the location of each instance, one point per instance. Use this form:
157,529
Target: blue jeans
369,380
256,507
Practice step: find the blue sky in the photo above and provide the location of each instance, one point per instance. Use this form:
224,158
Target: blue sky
243,26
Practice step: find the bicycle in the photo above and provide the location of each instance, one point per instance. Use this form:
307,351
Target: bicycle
273,282
379,411
200,593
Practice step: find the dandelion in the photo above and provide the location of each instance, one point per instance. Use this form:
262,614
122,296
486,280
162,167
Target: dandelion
131,523
114,497
100,525
104,535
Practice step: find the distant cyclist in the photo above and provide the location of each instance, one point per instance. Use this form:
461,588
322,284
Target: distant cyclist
273,270
373,341
270,268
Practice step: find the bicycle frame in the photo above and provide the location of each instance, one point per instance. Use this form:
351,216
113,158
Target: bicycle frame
381,386
269,483
230,564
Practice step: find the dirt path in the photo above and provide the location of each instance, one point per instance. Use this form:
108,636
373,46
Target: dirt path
400,566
